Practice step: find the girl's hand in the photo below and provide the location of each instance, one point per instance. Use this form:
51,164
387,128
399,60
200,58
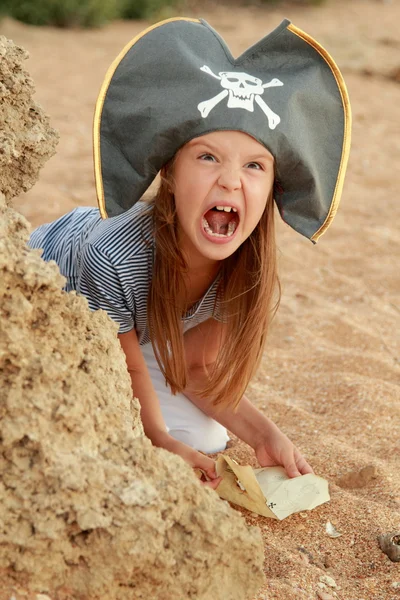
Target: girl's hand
195,459
275,449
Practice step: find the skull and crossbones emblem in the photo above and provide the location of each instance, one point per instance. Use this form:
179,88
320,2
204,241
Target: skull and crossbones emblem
242,89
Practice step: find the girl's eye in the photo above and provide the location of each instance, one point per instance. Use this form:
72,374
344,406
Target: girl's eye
207,157
255,165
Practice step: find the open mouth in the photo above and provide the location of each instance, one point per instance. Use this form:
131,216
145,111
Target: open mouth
221,221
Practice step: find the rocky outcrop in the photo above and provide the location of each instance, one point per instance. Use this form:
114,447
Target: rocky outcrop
89,508
26,138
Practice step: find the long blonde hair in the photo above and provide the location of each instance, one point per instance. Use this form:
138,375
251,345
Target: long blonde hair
245,302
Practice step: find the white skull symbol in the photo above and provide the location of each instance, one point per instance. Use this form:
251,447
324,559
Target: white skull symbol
242,88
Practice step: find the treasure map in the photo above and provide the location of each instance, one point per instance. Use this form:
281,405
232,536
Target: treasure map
269,491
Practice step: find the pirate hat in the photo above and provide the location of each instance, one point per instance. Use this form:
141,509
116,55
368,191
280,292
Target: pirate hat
178,80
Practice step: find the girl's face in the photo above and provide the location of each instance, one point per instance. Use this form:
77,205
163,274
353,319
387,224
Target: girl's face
221,183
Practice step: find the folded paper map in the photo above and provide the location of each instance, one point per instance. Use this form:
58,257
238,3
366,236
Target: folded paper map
269,491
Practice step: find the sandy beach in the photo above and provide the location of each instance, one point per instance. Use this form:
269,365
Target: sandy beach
330,376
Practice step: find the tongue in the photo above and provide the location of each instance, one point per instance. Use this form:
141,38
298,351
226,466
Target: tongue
218,221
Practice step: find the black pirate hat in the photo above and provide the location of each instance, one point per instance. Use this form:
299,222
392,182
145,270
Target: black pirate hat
178,80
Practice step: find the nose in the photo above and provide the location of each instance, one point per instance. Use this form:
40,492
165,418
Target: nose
229,179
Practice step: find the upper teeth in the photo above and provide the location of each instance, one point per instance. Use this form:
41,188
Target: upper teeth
226,208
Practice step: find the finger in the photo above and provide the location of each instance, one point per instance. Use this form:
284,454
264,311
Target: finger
212,473
212,484
303,465
289,463
207,465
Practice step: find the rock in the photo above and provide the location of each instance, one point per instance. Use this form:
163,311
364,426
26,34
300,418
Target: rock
304,558
328,561
329,581
84,494
395,585
26,138
390,545
359,479
331,530
306,555
324,595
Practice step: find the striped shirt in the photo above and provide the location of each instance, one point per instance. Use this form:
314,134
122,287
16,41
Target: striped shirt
110,262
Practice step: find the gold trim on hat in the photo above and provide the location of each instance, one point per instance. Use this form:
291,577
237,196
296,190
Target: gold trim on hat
347,127
99,107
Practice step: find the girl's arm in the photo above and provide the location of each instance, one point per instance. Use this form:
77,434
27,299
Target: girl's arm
151,415
271,446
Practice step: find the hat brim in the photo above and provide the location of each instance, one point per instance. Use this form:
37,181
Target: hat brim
135,134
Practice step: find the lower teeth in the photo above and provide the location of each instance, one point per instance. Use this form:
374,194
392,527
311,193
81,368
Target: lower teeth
207,228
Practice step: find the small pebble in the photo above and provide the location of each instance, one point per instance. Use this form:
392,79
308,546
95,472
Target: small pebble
328,580
390,545
328,562
360,478
396,585
331,530
305,554
305,559
324,596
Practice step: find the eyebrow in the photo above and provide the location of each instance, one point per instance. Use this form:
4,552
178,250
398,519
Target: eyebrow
199,142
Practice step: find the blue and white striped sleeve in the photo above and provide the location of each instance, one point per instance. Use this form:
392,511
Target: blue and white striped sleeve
99,282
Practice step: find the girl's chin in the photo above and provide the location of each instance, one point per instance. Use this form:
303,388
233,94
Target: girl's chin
217,251
202,246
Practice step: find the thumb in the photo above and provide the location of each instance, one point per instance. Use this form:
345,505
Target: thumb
213,484
207,465
290,466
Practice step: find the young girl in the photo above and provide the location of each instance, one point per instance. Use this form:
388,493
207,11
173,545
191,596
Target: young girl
190,276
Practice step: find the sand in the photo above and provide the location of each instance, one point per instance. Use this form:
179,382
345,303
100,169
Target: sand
330,376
